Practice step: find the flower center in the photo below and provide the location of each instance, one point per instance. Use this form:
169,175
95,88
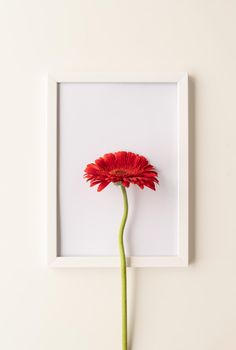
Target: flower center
118,172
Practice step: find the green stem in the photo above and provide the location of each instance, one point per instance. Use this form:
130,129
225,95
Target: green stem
123,269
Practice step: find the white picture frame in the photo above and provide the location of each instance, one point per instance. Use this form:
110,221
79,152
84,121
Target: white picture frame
53,259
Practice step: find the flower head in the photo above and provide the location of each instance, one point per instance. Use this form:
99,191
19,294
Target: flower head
121,168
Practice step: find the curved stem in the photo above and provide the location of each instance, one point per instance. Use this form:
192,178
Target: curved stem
123,269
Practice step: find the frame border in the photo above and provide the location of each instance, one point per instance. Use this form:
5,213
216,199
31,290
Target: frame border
181,79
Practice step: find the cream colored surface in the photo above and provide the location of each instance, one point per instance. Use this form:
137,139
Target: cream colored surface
170,308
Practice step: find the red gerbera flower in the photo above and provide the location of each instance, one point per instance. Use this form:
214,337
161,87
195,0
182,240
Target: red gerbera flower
122,168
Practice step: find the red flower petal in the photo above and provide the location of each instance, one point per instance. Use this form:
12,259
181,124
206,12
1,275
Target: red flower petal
102,186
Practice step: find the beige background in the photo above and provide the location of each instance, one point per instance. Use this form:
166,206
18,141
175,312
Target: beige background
173,308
